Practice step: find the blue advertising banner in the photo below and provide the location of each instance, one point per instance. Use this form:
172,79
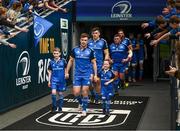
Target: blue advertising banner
116,10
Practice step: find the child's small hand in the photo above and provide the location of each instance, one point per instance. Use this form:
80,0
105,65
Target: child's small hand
106,83
49,84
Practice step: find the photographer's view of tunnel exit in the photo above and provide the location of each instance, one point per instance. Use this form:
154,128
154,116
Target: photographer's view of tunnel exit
89,65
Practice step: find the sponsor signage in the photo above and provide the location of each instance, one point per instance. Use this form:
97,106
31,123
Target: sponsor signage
117,10
22,70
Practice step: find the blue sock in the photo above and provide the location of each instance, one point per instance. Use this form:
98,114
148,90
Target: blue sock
140,73
92,93
108,105
104,103
126,76
53,97
130,74
134,73
84,103
116,82
96,97
61,101
79,99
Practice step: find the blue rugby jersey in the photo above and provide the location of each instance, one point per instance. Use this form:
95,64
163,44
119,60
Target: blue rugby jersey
141,49
98,46
105,77
118,52
58,70
126,41
83,59
133,41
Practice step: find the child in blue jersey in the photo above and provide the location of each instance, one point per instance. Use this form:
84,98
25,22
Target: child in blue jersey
107,77
56,73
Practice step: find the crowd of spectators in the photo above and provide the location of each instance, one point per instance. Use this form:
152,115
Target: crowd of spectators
167,27
13,13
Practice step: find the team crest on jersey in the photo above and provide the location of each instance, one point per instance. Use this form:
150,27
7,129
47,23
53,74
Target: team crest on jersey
87,52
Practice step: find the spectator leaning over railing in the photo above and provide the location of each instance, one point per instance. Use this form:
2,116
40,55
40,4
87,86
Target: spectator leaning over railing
174,24
35,4
167,12
4,21
13,14
161,28
4,42
4,37
50,4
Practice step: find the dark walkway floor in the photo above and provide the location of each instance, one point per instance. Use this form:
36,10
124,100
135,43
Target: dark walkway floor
156,115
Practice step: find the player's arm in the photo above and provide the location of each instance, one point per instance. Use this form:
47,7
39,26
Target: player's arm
93,61
106,54
69,65
130,52
106,51
65,67
49,74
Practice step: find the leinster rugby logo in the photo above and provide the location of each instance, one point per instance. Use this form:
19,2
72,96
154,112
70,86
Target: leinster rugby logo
121,10
22,69
38,30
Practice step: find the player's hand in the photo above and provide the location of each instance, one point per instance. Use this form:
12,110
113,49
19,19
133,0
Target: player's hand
95,78
126,60
49,84
111,61
106,83
67,75
154,43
